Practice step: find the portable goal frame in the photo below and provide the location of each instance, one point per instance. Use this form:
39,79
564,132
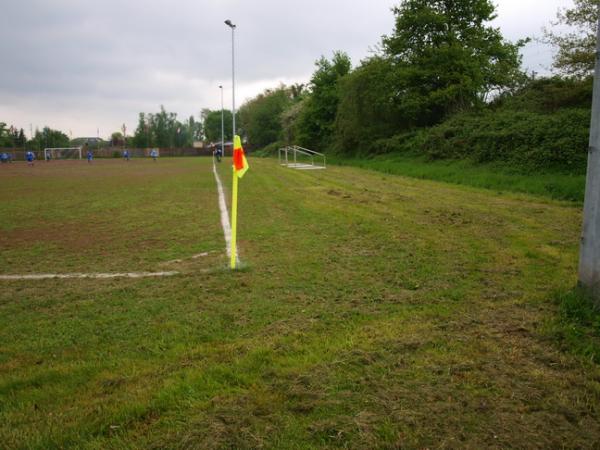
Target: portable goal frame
54,150
301,158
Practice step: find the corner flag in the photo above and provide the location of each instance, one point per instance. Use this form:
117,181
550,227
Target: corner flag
240,166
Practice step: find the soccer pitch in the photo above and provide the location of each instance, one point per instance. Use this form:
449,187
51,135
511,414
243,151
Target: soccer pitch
372,311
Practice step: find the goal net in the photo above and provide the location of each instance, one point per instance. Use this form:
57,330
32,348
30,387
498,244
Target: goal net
62,153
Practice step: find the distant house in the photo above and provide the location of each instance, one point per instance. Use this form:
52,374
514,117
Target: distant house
92,142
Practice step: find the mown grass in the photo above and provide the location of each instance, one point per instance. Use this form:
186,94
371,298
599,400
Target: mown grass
497,177
576,327
375,311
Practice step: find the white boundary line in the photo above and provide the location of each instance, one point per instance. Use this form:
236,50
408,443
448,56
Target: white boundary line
177,261
226,232
224,214
46,276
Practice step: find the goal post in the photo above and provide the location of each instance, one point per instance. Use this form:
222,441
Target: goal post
62,153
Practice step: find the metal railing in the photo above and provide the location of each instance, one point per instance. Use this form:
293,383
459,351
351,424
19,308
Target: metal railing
301,158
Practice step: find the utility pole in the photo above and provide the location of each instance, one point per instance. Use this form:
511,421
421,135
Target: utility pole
589,258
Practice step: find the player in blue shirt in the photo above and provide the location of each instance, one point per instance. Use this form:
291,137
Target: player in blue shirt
4,157
90,156
126,155
154,154
30,157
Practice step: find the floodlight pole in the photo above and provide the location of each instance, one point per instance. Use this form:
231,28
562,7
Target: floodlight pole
232,26
222,124
234,261
589,257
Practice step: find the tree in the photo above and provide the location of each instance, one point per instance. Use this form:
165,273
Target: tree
116,139
290,119
21,139
315,126
260,117
446,58
164,130
194,129
141,137
366,110
212,124
5,138
49,138
576,49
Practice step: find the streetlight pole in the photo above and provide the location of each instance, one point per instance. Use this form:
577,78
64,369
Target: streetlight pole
222,124
232,26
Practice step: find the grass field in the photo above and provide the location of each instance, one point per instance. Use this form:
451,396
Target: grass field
497,177
374,311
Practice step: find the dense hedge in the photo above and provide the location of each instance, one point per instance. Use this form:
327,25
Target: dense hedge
529,141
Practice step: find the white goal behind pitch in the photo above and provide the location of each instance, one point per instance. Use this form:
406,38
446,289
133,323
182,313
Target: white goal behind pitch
62,153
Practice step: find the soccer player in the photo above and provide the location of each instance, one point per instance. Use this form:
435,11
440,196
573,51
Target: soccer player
30,157
219,153
154,154
4,157
90,156
126,155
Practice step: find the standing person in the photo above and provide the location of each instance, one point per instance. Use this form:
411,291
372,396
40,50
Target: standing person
30,157
126,155
4,157
88,153
154,154
219,152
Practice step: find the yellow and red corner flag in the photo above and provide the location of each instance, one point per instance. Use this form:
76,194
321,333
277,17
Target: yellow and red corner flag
240,166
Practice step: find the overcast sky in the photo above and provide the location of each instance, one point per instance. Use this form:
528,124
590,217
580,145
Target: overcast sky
81,65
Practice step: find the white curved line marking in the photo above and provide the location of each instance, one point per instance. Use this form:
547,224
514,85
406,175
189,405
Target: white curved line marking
224,214
46,276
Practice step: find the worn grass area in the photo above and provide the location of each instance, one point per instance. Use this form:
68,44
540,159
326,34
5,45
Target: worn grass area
374,312
496,177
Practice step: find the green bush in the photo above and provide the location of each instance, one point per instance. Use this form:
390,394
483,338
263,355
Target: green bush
547,95
528,140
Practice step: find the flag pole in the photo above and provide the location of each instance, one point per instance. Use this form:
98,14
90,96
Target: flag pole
234,198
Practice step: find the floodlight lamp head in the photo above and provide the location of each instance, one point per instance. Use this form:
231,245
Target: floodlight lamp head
220,87
229,24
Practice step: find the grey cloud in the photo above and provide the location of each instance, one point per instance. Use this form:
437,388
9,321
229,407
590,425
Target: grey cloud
121,57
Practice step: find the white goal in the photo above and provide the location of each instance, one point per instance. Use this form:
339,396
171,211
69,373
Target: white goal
62,153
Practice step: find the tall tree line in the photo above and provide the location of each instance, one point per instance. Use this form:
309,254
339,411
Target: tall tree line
444,58
11,137
163,129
